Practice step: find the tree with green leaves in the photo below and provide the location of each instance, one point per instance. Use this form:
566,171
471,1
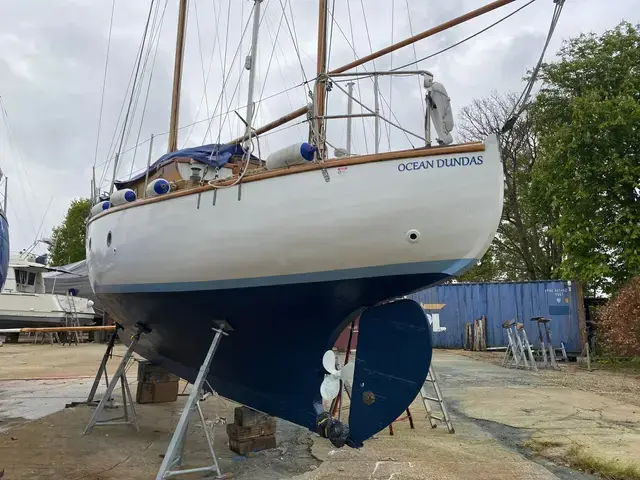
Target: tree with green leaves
587,121
523,248
67,239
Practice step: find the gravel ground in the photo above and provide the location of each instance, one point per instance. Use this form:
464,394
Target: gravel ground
623,387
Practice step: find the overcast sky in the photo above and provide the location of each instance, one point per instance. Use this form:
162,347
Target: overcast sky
52,57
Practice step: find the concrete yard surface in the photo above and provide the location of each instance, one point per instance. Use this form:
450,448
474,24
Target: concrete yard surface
501,417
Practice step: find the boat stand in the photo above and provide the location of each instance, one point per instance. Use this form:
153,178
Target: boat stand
175,451
102,371
129,417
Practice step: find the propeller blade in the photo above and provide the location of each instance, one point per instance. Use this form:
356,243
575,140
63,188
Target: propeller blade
330,387
329,362
346,373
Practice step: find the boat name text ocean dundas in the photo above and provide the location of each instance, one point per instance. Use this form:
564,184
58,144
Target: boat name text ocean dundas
440,163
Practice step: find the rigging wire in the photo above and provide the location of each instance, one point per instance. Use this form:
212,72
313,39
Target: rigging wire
387,125
216,43
204,120
393,8
104,82
44,217
326,90
353,41
226,77
152,34
224,63
155,33
131,83
466,39
114,136
273,50
22,169
146,98
521,104
264,13
205,77
415,53
366,27
294,38
277,42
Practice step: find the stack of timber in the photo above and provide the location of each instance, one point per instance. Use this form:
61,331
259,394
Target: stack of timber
251,431
475,335
155,384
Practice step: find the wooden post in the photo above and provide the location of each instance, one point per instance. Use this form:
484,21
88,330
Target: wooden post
321,85
468,336
177,78
582,320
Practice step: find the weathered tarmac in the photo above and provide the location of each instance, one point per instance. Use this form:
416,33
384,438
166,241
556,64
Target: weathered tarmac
495,411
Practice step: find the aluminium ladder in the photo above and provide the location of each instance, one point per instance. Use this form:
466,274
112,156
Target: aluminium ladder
433,380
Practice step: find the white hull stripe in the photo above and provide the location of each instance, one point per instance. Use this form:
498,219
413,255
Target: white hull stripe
447,267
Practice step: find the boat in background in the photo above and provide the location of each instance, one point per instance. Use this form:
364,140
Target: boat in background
285,251
4,234
24,303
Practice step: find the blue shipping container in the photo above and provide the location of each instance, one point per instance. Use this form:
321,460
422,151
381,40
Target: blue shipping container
450,306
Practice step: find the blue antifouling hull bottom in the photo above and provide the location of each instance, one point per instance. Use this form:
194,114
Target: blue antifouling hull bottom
272,359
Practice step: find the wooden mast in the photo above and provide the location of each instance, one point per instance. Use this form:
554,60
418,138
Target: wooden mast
320,105
177,77
321,82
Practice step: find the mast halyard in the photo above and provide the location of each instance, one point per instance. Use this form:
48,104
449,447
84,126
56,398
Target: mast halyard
319,96
177,77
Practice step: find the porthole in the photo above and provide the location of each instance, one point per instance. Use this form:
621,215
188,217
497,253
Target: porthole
109,239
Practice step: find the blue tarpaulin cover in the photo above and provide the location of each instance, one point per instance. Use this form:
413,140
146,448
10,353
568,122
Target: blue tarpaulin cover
214,154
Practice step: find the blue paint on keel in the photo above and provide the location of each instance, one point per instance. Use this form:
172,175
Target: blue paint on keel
272,360
392,362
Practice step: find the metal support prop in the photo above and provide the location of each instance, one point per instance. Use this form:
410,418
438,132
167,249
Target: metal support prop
512,349
103,368
520,346
527,344
543,347
173,456
129,418
552,352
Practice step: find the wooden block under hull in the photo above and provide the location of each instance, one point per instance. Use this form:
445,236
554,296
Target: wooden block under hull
252,445
239,433
247,417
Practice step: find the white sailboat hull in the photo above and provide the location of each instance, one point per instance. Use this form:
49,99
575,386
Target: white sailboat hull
405,216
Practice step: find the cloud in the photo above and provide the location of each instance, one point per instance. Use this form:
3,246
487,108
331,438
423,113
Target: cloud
52,59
